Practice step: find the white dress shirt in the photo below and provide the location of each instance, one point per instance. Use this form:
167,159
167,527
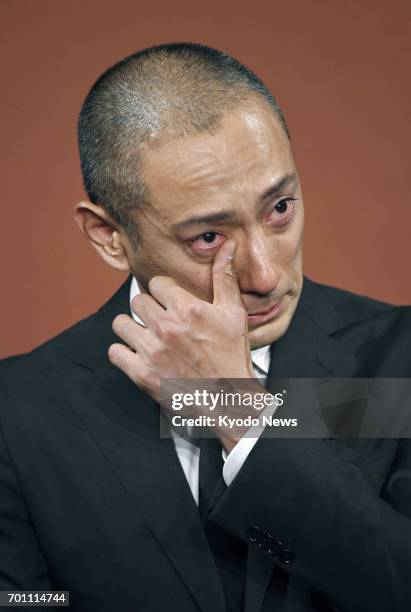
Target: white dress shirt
188,451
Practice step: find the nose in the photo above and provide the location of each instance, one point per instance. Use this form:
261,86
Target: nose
256,266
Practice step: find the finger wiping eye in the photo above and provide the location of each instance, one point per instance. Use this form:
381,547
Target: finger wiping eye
225,281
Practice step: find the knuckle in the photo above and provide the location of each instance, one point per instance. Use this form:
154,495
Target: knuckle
229,273
190,311
155,353
167,331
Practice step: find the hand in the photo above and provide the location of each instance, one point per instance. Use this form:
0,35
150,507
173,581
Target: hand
185,337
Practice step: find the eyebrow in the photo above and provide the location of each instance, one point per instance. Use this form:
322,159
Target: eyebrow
220,217
278,186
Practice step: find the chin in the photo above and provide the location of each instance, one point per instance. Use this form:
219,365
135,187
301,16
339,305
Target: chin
267,334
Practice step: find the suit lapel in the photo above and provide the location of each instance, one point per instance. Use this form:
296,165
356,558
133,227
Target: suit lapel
125,424
310,347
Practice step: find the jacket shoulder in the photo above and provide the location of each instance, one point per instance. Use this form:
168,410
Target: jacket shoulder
63,346
352,308
354,303
89,336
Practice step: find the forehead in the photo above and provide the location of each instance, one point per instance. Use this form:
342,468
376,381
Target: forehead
247,153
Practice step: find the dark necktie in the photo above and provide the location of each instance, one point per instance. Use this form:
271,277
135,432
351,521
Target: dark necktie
230,553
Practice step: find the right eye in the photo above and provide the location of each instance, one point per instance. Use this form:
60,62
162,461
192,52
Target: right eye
207,242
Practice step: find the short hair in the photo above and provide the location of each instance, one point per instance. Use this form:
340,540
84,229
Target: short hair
169,90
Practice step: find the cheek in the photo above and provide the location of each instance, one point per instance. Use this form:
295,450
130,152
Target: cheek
199,283
191,276
289,245
287,252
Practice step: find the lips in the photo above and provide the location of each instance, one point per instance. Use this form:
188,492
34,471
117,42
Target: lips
263,312
263,316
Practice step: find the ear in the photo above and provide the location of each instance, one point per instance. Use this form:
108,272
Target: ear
104,234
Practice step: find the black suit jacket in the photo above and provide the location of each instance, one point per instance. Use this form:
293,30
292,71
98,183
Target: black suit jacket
93,501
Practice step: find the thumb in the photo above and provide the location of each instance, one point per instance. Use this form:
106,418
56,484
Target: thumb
225,281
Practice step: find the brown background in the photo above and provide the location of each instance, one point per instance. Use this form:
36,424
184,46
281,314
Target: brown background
340,69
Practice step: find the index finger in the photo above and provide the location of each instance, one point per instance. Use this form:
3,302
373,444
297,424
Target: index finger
225,281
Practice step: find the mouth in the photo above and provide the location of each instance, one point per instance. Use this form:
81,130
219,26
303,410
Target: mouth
256,318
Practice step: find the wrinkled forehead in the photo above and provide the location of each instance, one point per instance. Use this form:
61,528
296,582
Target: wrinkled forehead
245,153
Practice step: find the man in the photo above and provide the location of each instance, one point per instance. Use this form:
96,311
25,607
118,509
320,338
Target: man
193,189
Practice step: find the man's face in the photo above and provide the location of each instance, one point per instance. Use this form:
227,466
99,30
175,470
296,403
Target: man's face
241,183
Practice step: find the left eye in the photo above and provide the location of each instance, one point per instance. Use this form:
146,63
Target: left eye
282,210
283,205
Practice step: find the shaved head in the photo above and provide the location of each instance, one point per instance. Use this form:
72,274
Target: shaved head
153,96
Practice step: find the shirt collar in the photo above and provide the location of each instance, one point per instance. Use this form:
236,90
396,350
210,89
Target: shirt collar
260,356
